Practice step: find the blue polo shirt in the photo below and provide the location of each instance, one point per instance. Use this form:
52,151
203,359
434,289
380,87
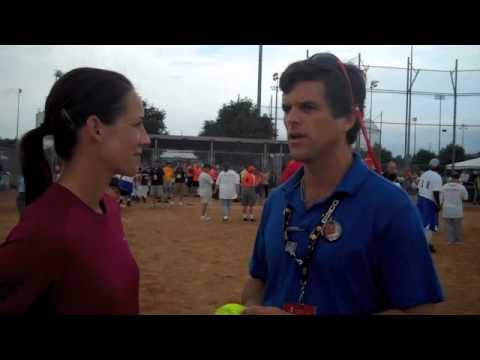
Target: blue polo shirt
381,260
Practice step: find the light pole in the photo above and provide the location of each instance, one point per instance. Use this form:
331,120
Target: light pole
18,110
463,127
380,141
373,84
439,97
414,119
275,78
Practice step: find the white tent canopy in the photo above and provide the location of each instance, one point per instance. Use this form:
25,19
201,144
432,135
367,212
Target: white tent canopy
473,164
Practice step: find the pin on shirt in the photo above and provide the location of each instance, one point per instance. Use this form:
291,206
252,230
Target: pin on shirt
332,230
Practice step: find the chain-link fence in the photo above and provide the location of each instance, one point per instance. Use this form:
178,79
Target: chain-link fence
267,156
10,168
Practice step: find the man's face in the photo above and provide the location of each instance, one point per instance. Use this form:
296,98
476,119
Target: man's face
392,168
312,130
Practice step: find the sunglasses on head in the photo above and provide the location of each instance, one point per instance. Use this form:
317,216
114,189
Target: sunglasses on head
330,62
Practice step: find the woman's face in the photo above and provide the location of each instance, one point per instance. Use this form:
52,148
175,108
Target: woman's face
125,139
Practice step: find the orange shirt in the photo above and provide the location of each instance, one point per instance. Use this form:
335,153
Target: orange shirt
197,170
248,180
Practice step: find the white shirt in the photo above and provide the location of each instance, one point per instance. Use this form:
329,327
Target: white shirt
464,177
127,178
451,197
205,184
429,182
227,182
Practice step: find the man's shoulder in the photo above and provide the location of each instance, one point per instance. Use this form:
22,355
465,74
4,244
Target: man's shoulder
379,190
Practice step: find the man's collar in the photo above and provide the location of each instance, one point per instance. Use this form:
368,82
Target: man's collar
349,184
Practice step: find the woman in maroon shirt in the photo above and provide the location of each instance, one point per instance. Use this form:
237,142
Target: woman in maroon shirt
68,254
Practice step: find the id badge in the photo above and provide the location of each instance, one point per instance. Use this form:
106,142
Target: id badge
298,309
290,247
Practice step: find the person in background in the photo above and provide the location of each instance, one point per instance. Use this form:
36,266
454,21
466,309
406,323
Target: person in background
452,196
228,183
20,194
180,179
258,183
214,175
197,170
205,190
143,185
428,201
391,173
168,181
476,188
266,182
249,196
190,178
156,190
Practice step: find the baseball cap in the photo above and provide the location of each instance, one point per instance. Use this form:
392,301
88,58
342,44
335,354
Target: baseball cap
434,163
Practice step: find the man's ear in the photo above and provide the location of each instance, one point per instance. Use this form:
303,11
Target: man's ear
349,122
95,128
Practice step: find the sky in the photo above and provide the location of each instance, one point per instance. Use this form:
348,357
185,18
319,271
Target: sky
191,83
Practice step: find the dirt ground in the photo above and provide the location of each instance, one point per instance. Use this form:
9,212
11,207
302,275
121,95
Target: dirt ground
189,266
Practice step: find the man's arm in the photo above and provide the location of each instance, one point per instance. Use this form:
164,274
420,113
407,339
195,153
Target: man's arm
253,292
252,298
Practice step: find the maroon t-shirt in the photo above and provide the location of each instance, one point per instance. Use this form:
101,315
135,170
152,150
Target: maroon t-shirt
63,257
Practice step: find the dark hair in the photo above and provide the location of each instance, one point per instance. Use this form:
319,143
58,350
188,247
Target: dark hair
455,175
73,98
226,166
337,92
206,166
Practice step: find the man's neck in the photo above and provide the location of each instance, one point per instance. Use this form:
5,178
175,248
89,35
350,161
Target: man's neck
86,180
323,175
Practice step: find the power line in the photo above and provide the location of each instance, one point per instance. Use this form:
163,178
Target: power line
424,124
426,93
366,67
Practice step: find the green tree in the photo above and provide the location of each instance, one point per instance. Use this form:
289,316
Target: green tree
446,154
382,153
400,161
422,158
154,120
239,119
10,143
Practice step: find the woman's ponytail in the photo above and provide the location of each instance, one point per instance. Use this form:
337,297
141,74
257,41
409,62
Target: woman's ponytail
35,167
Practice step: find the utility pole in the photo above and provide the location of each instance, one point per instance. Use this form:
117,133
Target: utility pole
275,78
454,112
259,89
463,127
380,154
414,135
373,84
18,111
271,107
359,134
440,98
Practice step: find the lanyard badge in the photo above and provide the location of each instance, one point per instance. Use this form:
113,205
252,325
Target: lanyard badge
299,309
326,228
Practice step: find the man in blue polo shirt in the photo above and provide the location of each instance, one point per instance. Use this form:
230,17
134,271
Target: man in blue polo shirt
336,238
